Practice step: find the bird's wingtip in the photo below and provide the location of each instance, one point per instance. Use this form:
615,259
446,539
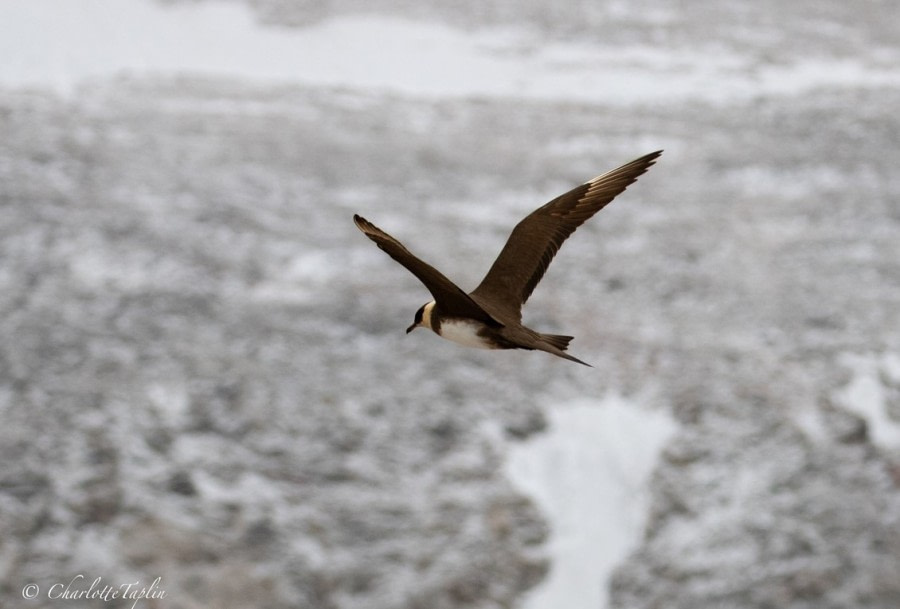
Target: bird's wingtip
361,223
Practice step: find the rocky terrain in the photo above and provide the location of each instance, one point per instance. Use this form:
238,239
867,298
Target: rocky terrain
204,378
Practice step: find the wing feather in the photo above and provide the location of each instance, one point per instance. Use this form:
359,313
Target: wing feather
536,239
447,294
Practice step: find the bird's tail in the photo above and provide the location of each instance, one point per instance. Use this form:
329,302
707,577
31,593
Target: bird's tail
557,344
557,340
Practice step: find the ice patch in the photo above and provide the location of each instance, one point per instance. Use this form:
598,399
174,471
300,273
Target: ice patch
171,401
809,420
797,183
876,381
303,277
48,43
589,475
890,366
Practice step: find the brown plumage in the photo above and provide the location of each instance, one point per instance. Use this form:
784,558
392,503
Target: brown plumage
490,316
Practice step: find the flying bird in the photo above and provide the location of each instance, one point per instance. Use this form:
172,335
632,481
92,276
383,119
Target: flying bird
490,317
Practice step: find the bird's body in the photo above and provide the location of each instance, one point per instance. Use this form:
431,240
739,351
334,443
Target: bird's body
466,333
490,317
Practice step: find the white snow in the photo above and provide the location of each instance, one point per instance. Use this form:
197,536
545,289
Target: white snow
60,44
808,419
589,475
867,395
171,401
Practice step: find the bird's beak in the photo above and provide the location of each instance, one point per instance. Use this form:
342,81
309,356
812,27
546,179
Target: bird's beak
411,328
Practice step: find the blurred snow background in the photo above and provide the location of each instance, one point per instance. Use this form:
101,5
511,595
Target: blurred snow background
203,373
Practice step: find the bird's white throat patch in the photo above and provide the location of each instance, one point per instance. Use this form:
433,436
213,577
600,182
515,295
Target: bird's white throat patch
426,314
464,333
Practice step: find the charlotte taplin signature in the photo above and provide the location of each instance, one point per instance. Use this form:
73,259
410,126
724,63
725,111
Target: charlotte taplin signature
97,590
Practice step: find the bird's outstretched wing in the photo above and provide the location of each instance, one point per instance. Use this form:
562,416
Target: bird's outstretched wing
536,239
446,293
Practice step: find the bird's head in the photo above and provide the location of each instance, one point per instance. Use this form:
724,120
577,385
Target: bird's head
423,317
